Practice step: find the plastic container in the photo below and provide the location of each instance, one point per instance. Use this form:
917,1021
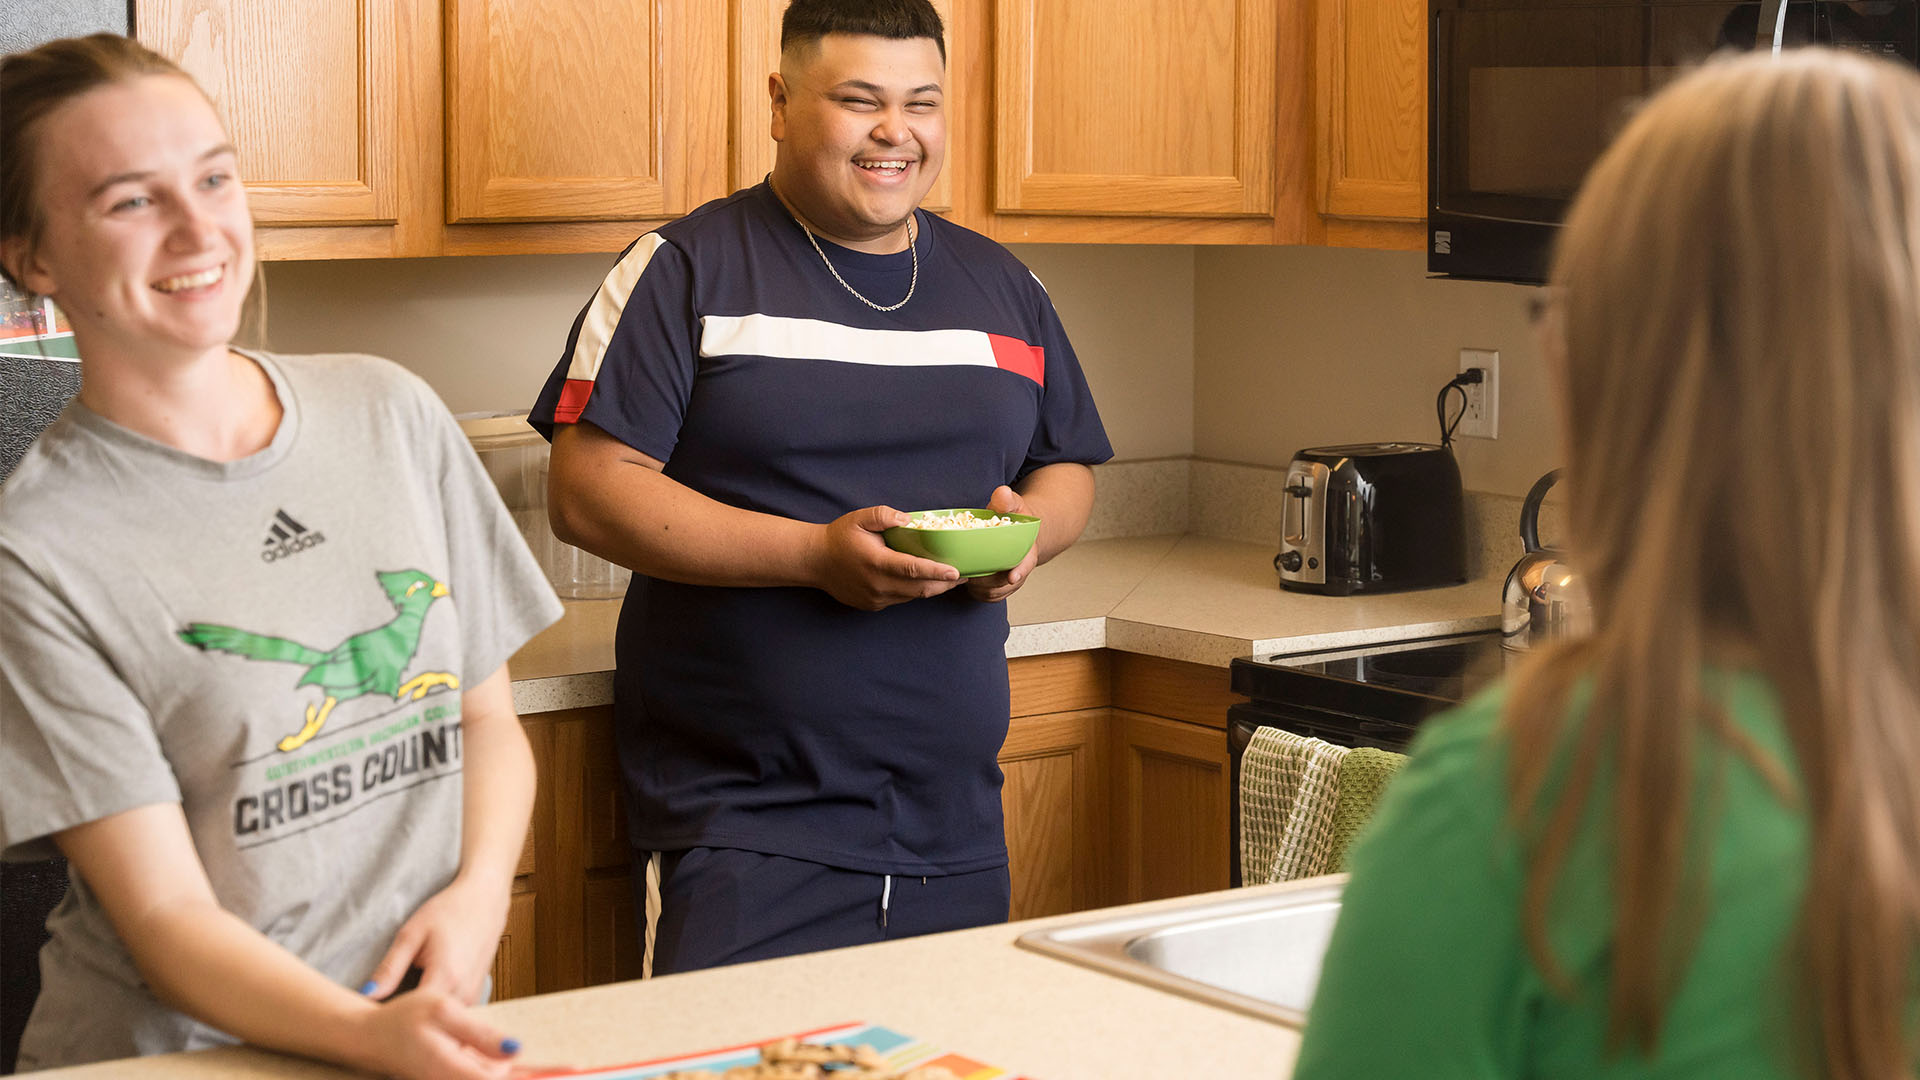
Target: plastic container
515,457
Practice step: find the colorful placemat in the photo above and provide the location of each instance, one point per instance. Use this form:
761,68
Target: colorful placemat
901,1051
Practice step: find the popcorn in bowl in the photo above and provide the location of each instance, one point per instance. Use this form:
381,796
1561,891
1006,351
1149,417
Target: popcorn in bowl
972,540
956,519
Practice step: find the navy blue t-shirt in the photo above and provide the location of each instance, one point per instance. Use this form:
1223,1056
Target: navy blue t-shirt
778,719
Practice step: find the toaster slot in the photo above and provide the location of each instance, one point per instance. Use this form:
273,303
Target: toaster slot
1303,524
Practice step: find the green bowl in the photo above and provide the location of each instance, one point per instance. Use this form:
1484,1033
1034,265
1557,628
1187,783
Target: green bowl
973,552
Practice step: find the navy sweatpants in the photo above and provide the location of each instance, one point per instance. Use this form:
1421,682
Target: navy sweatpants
727,906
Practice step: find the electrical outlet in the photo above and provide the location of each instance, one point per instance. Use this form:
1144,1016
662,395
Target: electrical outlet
1482,418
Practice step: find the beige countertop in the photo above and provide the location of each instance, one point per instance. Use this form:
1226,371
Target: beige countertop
973,992
1188,598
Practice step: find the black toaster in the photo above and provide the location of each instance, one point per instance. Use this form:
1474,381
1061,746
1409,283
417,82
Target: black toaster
1372,517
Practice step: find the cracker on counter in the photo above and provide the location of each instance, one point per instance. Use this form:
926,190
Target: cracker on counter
791,1059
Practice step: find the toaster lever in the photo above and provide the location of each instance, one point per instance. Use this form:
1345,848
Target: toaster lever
1299,491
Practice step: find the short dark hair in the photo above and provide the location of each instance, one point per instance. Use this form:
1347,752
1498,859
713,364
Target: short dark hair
807,21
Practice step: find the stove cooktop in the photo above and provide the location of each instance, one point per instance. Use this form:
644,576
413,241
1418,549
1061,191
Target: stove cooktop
1400,682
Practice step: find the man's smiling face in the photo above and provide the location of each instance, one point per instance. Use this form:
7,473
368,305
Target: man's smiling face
862,127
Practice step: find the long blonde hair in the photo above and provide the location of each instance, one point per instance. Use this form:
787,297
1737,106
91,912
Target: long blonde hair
1736,304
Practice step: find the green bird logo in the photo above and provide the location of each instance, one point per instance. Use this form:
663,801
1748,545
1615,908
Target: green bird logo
367,662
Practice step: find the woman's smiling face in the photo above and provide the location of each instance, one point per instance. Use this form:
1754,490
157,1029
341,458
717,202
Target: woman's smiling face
146,242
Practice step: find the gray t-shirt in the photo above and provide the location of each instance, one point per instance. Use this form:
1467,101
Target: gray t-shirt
278,644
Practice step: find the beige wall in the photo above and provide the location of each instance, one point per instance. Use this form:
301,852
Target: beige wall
1129,311
1303,346
483,331
486,331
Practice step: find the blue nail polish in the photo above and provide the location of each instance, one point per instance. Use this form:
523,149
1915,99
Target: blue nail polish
367,988
509,1046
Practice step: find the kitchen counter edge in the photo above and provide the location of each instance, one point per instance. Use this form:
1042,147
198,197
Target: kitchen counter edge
974,992
1191,598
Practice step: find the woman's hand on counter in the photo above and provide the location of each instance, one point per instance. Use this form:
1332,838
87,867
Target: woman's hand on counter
427,1035
204,961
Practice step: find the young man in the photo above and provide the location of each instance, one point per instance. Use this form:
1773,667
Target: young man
807,720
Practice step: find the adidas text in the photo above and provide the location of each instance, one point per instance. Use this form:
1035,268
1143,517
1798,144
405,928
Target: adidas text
292,547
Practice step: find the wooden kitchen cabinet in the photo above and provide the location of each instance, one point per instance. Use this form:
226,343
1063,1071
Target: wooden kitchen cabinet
1170,806
1170,781
390,128
592,110
1134,107
319,98
1054,802
1055,796
403,128
1125,121
611,931
1370,121
572,922
515,967
1144,741
516,963
1173,689
1214,122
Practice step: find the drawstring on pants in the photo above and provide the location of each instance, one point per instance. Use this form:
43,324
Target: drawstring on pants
886,895
650,933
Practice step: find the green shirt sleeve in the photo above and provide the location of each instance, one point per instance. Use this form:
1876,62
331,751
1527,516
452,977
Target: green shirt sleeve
1426,975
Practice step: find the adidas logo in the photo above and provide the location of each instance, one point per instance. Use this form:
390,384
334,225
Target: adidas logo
287,537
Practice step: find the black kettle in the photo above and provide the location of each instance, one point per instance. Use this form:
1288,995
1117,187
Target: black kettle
1545,599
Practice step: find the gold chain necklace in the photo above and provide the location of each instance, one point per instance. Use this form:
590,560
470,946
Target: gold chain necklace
913,233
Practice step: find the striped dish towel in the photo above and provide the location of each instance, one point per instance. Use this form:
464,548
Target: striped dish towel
1270,771
1307,849
1363,779
1288,787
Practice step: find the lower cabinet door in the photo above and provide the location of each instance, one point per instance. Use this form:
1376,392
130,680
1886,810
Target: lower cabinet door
513,964
1054,801
613,946
1170,805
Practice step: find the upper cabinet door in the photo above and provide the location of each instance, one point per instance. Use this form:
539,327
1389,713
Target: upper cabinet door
1373,108
591,110
308,91
756,45
1135,107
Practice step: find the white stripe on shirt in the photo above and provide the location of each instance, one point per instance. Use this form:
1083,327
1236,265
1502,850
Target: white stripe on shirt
813,339
603,315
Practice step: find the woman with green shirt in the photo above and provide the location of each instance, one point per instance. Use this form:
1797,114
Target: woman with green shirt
1689,846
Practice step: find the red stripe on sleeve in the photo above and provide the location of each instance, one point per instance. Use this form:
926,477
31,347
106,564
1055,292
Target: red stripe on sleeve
573,401
1014,355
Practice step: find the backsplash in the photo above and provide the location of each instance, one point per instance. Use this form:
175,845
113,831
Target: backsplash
1140,498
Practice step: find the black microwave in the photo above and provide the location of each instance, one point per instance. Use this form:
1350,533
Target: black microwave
1524,94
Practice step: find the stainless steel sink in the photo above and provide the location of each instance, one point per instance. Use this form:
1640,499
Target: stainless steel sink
1257,954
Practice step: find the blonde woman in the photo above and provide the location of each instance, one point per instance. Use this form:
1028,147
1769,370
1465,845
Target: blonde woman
1690,846
255,612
